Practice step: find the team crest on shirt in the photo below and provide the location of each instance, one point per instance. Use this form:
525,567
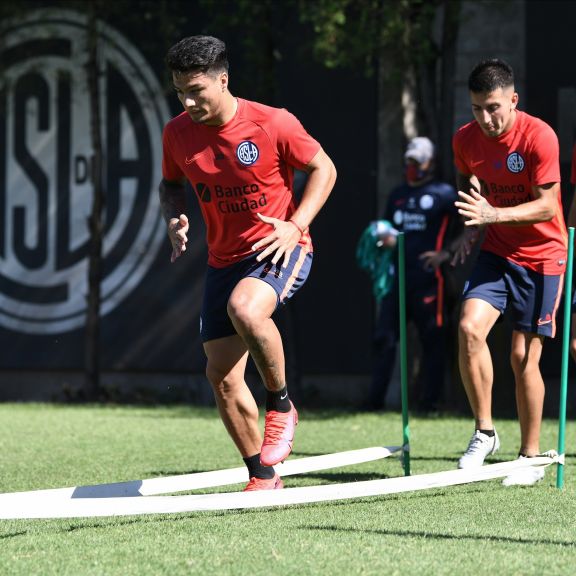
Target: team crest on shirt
247,152
515,162
426,202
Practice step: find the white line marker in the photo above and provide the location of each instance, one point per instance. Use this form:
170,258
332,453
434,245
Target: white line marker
212,479
97,507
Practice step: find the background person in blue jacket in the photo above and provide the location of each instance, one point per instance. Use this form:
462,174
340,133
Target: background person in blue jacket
423,208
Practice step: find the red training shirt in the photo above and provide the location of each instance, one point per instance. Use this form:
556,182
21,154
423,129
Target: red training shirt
507,167
238,169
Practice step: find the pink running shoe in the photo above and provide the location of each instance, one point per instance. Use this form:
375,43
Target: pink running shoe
278,436
264,484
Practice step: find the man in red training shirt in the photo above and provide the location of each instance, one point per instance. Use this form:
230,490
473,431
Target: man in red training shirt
239,158
509,188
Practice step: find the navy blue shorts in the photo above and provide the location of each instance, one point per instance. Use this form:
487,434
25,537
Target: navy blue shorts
532,298
220,282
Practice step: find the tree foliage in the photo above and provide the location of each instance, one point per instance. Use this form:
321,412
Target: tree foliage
408,36
352,33
411,43
346,33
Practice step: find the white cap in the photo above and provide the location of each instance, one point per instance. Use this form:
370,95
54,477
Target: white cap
420,149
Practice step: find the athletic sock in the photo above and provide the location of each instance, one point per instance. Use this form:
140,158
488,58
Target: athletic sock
256,469
489,433
278,401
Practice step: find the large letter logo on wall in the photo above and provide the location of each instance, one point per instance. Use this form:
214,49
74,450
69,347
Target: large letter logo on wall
45,181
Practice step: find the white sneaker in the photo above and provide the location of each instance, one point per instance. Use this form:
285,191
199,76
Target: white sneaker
481,445
525,476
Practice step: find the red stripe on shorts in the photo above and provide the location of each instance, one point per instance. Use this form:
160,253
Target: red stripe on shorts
295,271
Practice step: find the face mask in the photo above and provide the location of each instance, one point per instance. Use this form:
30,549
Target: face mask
414,174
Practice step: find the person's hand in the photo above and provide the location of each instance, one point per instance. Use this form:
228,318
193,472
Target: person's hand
476,209
281,241
433,259
464,247
177,230
387,241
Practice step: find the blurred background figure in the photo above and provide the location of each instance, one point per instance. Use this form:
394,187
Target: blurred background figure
422,208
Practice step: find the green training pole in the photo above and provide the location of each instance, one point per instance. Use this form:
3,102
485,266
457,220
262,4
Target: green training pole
403,354
565,359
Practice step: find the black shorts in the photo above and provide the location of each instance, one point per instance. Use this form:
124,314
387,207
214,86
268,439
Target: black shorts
532,298
220,282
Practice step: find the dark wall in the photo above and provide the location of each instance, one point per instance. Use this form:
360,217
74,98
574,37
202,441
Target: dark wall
328,324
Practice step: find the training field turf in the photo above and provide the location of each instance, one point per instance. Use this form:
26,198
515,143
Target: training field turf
481,528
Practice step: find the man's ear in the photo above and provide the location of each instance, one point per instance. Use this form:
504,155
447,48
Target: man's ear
224,81
515,99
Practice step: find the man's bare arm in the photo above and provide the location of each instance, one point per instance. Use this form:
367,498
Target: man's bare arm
172,199
541,208
173,206
461,247
321,179
467,182
284,236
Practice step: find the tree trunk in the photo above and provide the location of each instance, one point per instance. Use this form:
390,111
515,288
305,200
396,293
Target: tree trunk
390,131
446,113
92,359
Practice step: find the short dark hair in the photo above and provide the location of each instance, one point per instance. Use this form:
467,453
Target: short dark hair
198,53
489,75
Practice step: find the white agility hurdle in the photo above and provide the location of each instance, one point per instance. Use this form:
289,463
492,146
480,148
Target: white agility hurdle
15,506
200,480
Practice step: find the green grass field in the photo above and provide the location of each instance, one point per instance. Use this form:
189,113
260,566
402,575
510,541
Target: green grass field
481,528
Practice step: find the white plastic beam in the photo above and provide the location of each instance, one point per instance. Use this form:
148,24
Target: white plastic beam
125,506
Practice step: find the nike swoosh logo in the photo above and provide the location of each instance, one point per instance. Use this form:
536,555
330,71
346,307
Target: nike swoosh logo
542,322
284,397
188,162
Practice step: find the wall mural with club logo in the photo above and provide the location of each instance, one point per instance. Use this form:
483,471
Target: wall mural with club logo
45,170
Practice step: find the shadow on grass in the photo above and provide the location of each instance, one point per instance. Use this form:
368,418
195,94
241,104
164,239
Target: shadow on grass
429,535
306,453
12,535
335,477
452,459
164,473
340,477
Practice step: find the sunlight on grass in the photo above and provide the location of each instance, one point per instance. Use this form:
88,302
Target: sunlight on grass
517,530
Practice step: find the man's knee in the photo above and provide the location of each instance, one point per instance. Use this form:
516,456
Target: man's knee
470,335
223,384
246,311
523,361
238,308
214,375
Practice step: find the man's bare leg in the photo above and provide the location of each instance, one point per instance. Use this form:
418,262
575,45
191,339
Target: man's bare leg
227,359
477,318
250,308
525,360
